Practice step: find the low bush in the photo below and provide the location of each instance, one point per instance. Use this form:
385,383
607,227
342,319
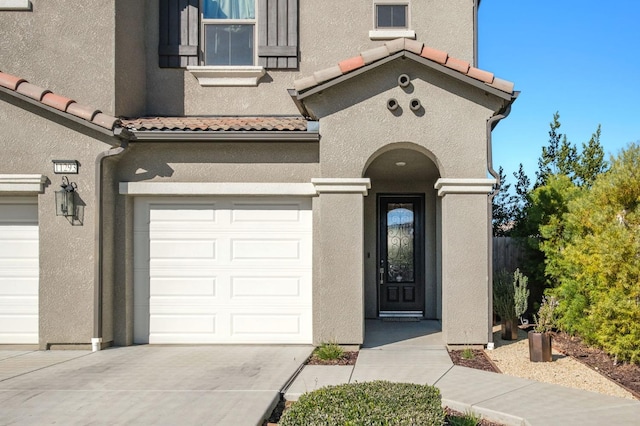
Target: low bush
369,403
329,351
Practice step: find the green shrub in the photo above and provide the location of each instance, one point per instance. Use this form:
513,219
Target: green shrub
329,351
467,419
369,403
503,297
467,353
593,257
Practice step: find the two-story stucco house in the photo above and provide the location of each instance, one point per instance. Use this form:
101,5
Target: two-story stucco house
243,171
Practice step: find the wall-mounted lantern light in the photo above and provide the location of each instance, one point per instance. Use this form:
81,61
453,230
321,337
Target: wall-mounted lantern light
66,198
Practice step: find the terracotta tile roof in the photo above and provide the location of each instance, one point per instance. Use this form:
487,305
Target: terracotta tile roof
58,102
399,45
216,123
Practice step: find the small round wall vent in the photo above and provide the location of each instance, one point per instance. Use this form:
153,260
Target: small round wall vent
392,104
403,80
415,104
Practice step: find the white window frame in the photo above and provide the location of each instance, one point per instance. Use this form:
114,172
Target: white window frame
204,22
227,75
391,33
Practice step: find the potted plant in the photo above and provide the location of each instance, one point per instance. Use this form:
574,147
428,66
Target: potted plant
510,296
540,336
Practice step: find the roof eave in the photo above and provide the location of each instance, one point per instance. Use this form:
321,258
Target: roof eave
406,54
223,136
58,113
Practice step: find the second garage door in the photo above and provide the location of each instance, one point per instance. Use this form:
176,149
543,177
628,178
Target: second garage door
223,270
19,270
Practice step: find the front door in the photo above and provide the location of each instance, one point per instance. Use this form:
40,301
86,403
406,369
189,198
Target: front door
401,255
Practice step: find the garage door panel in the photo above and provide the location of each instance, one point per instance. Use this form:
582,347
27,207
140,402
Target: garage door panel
182,214
175,249
266,323
19,286
260,213
26,267
192,286
188,324
13,248
265,249
259,286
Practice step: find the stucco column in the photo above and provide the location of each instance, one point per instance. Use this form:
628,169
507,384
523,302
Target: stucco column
338,273
465,253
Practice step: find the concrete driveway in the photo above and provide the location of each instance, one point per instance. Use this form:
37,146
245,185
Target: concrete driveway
161,385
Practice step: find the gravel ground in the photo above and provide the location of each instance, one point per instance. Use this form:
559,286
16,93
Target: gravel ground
512,358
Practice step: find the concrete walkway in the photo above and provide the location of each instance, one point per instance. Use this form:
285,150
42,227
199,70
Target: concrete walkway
146,385
414,352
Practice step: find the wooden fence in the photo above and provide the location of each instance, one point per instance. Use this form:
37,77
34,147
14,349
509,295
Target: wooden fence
507,254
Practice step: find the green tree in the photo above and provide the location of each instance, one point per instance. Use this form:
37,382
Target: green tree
502,207
591,161
593,254
548,159
562,172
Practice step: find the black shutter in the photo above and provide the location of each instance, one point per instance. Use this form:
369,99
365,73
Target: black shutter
278,33
178,45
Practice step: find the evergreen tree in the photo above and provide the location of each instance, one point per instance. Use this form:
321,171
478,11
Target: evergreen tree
591,161
547,163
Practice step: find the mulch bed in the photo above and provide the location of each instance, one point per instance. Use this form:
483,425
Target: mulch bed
479,361
349,358
626,375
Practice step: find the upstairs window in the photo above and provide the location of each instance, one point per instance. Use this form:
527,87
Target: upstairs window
391,19
228,32
392,16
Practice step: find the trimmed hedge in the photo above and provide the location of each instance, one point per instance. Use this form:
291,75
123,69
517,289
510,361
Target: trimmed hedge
369,403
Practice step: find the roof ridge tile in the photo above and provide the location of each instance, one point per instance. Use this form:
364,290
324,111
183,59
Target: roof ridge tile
375,54
9,81
32,91
458,65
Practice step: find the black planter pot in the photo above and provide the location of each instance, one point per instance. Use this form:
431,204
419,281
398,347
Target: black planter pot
539,347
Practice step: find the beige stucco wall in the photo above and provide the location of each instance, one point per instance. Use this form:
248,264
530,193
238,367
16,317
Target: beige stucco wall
330,31
64,46
356,123
338,291
66,286
130,58
465,287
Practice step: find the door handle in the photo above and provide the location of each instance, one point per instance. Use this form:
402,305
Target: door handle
381,275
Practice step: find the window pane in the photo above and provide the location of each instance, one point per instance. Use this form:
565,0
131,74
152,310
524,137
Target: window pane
400,231
228,9
228,44
391,16
399,16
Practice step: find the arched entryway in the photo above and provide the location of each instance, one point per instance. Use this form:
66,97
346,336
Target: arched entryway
402,234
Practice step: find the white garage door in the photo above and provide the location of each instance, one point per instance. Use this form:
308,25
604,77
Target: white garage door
222,270
19,270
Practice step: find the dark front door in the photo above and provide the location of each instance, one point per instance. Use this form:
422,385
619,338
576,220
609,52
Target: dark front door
401,255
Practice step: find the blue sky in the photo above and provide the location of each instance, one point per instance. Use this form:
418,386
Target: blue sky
581,58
